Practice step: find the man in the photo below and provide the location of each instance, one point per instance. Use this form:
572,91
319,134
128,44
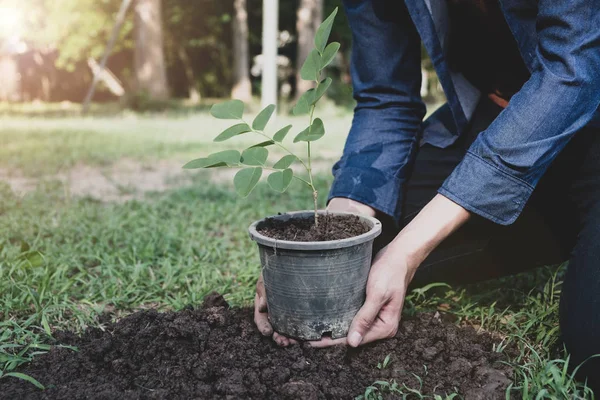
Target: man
504,177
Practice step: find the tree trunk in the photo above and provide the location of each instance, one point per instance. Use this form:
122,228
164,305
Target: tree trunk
242,88
149,59
269,51
193,92
309,17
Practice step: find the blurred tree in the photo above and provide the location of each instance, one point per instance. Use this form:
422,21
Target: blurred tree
310,16
242,88
199,51
149,60
198,47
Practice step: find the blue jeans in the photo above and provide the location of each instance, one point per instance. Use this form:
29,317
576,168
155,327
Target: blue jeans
561,222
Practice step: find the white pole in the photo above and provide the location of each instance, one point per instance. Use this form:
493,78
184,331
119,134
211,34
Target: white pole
269,44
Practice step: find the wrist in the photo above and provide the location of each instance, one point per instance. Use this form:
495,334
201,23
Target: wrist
405,248
436,221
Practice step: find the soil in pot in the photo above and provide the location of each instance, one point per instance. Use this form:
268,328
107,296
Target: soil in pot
215,352
331,227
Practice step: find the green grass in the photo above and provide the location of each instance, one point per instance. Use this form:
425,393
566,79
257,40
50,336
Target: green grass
64,260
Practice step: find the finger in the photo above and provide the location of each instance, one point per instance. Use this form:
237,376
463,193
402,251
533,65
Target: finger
327,342
386,324
363,321
380,330
262,298
281,340
261,319
261,303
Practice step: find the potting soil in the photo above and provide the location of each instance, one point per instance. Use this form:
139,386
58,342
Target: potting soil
330,227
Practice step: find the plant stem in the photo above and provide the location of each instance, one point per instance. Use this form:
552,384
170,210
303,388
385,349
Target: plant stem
310,174
308,167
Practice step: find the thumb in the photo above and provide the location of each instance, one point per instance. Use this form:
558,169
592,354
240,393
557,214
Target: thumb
363,321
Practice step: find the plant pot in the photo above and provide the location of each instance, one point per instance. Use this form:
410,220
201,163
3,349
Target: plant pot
315,289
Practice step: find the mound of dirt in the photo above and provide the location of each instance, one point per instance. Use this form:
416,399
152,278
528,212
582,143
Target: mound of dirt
216,353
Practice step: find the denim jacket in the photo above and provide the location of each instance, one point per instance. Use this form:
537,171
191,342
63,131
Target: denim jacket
559,41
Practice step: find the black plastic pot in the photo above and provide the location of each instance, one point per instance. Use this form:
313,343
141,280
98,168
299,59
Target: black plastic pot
315,289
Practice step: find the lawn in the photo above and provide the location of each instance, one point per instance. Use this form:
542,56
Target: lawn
66,259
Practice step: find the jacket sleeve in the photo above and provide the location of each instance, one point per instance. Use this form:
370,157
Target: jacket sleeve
507,160
386,76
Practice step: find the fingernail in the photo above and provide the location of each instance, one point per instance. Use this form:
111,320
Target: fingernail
355,339
266,331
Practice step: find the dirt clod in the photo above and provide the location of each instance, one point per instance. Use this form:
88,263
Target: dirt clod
215,352
331,227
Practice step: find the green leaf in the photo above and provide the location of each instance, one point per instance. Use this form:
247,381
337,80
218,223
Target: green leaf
246,179
230,157
264,144
310,97
203,163
262,119
280,180
281,134
329,54
321,90
27,378
233,109
46,325
255,156
312,133
285,162
322,35
32,259
311,67
232,131
302,107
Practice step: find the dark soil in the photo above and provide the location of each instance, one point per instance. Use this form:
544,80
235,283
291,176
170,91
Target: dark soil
331,227
216,353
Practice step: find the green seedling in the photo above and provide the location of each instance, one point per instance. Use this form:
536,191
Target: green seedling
252,162
385,363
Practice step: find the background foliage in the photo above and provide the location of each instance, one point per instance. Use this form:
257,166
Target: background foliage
64,33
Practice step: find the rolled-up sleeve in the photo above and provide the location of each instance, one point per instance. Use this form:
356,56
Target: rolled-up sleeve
386,76
504,164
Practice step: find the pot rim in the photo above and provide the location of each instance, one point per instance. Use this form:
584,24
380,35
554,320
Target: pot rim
324,245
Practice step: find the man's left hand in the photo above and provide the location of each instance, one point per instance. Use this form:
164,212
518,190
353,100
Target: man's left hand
386,288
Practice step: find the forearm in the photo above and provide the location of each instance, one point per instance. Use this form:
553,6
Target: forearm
436,221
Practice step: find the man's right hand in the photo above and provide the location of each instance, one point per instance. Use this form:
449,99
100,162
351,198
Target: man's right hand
348,205
261,316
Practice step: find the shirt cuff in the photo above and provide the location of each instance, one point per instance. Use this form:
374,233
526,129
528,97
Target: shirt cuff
485,190
369,186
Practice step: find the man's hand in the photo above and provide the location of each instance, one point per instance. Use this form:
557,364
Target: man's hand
395,266
348,205
261,318
379,317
